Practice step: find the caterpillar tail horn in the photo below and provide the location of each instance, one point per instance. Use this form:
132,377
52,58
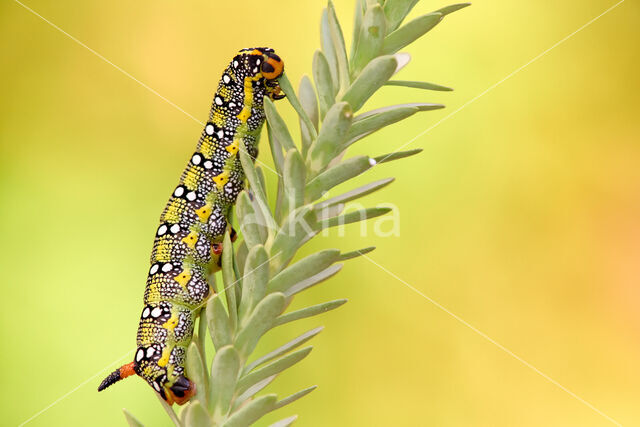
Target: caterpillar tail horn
119,374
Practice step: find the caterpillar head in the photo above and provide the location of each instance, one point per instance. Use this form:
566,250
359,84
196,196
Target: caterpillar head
264,63
180,391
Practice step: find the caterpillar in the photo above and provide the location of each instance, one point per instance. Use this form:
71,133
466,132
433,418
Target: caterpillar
188,241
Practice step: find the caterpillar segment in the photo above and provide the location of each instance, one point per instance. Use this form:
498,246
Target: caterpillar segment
188,241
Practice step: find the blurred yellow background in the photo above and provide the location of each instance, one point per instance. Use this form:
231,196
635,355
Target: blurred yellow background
521,216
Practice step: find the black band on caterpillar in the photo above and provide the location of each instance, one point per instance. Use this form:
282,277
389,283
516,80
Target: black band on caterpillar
187,245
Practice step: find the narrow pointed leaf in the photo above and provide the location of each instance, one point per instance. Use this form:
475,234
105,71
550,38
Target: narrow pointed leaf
285,422
322,77
219,324
329,50
421,106
354,216
418,85
397,155
355,254
450,9
302,269
196,371
332,134
224,374
369,124
370,39
337,175
276,150
252,177
287,88
303,313
309,104
259,322
252,391
374,75
410,32
278,125
396,11
252,411
256,277
353,194
283,349
131,420
313,280
299,226
339,47
196,415
252,224
295,396
272,369
294,179
229,281
358,16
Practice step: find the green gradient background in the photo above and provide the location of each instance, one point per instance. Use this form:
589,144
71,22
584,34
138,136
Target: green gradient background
521,216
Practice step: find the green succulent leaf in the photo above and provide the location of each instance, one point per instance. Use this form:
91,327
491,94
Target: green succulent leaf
229,282
251,224
324,82
418,85
287,88
224,374
310,106
292,398
410,32
358,16
295,175
195,367
252,391
370,39
331,137
302,269
338,174
196,415
313,280
131,420
278,126
338,46
272,369
256,277
259,322
397,155
373,76
354,216
252,411
396,11
298,228
283,349
285,422
354,194
355,254
329,50
219,324
314,310
454,7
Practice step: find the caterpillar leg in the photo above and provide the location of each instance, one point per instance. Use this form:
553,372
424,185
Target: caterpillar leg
119,374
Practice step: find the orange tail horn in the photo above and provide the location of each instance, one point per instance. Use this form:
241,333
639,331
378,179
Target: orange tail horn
119,374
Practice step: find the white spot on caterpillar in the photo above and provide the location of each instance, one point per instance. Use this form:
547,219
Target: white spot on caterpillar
255,70
209,129
197,158
156,312
150,352
174,229
218,100
191,196
208,164
157,387
221,134
235,64
139,355
154,269
162,229
258,61
167,267
145,312
232,104
178,192
226,79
